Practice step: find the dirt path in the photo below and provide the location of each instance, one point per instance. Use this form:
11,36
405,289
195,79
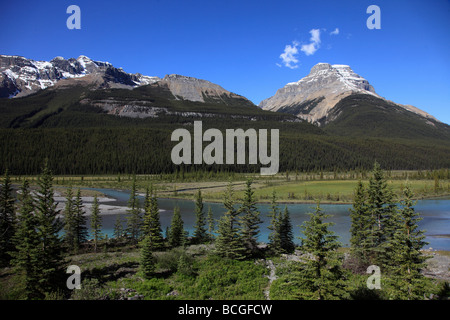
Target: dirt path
271,276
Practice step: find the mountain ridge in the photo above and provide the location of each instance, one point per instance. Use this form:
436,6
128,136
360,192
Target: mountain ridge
313,98
20,77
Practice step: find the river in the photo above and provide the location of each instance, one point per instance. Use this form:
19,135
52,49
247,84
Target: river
435,214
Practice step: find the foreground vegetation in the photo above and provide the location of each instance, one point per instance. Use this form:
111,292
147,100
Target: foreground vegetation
222,260
115,274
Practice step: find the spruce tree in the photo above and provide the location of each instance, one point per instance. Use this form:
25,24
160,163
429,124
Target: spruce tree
381,217
118,229
96,223
50,255
228,242
25,257
250,221
147,259
407,258
152,223
211,224
361,227
81,231
320,277
200,235
147,206
134,221
274,226
70,238
176,231
7,220
285,231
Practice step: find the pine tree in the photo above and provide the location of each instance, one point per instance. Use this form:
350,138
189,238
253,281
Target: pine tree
285,231
152,223
96,223
176,231
50,256
320,277
274,227
200,235
407,259
228,241
134,221
118,229
382,217
250,221
211,224
70,222
27,242
7,220
147,258
361,226
81,231
147,206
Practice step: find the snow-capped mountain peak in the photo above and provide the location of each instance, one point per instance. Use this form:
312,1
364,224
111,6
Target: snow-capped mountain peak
313,96
20,76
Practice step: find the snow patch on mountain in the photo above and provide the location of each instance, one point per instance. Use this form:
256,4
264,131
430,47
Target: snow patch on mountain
312,97
26,76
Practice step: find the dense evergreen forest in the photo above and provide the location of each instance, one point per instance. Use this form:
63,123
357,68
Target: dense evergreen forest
78,137
144,146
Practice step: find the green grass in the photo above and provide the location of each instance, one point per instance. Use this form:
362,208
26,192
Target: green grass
210,277
301,188
213,278
342,190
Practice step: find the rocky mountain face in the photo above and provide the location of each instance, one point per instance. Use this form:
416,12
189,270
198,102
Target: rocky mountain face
193,89
20,76
314,97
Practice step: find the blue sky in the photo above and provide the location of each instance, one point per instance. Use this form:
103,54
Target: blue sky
237,44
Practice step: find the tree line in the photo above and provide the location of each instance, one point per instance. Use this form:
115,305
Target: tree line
124,150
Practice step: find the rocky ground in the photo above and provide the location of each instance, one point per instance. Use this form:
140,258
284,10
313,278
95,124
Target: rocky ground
438,266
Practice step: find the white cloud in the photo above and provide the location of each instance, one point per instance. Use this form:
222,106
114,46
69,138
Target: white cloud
335,32
311,48
315,35
289,55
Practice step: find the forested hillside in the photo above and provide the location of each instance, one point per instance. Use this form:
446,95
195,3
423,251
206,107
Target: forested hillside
79,136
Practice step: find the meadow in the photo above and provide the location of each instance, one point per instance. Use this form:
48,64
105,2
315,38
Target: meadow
290,187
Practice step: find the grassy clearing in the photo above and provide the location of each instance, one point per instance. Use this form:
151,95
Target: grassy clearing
326,187
117,275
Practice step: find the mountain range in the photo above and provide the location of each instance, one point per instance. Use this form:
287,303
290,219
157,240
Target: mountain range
312,98
332,118
20,77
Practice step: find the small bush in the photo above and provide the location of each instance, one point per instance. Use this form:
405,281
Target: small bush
185,265
90,290
168,261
